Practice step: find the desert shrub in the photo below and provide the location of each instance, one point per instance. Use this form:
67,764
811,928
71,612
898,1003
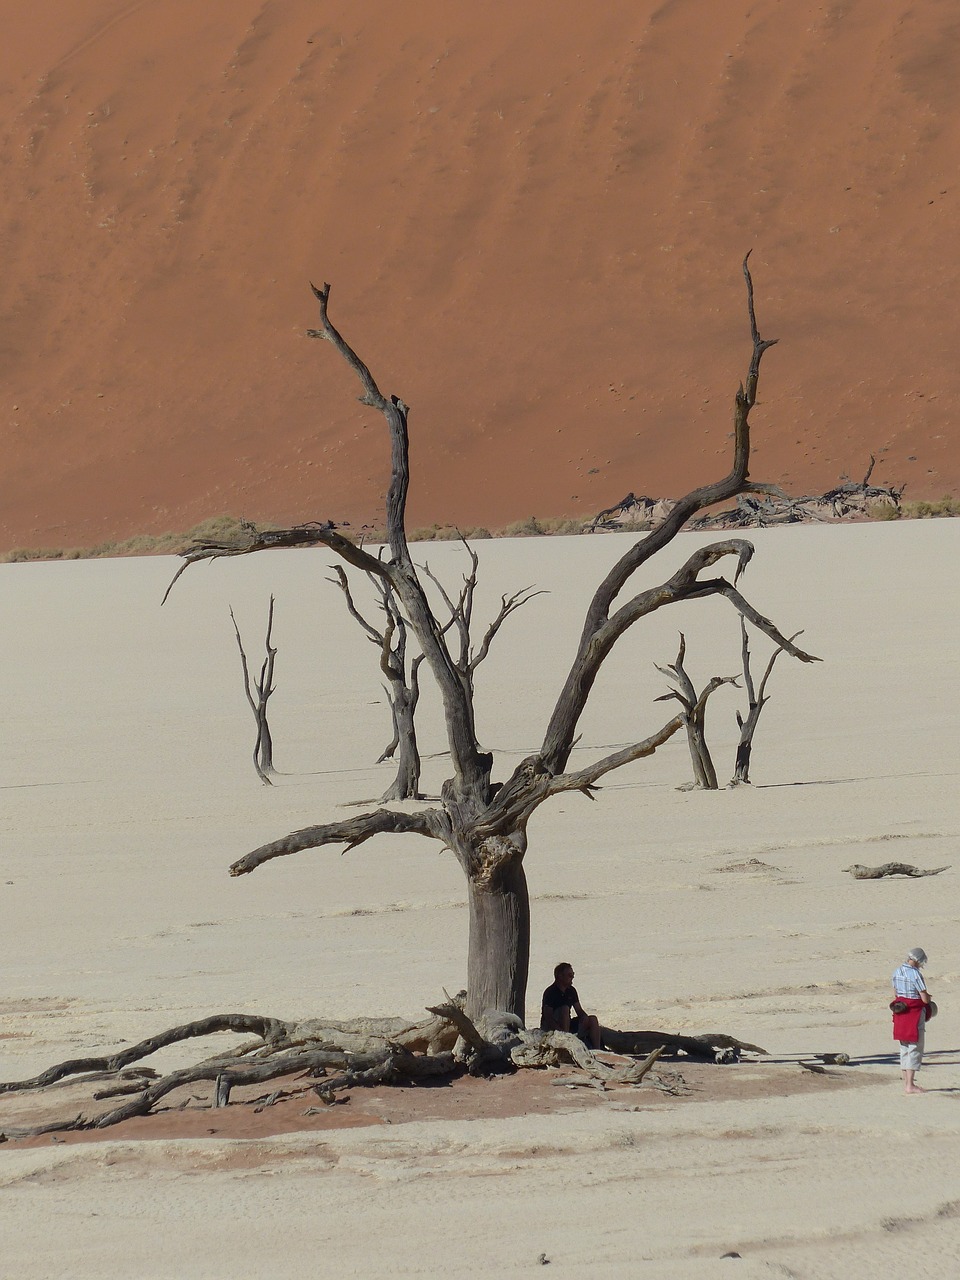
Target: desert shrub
922,510
529,528
883,511
561,526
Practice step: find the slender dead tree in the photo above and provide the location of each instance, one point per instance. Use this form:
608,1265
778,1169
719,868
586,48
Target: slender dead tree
466,657
482,821
263,747
402,685
694,714
756,701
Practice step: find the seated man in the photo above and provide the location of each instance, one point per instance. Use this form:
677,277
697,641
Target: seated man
555,1011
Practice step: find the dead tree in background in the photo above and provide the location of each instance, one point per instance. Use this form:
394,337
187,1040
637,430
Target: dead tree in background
402,684
465,656
483,821
694,713
756,701
263,747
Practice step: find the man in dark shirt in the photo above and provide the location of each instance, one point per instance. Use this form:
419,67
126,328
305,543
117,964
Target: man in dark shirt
559,1000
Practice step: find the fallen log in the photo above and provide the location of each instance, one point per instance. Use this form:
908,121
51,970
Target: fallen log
706,1046
860,872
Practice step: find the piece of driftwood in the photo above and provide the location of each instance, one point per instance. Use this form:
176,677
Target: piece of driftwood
860,872
819,1069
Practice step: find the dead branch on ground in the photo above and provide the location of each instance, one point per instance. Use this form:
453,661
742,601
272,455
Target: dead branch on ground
765,506
860,872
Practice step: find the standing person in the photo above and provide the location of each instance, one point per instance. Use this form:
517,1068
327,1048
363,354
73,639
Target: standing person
555,1009
911,1007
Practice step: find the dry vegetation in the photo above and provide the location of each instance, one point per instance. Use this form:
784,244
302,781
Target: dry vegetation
224,527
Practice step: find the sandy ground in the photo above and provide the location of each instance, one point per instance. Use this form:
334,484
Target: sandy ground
533,218
128,789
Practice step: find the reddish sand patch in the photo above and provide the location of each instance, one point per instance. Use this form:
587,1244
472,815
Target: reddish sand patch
533,218
189,1113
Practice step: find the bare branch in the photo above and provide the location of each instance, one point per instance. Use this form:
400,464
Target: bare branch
706,495
351,833
596,640
720,586
508,605
304,535
243,663
394,412
684,585
343,583
270,1029
585,778
773,657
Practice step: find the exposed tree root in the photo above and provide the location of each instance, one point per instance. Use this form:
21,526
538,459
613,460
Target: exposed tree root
365,1053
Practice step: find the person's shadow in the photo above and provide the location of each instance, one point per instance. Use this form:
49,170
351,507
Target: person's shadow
933,1057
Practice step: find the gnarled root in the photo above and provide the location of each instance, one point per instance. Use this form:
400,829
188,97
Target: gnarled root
350,1055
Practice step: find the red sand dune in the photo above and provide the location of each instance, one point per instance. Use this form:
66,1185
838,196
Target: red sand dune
532,216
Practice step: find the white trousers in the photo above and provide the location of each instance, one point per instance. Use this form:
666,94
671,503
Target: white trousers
911,1055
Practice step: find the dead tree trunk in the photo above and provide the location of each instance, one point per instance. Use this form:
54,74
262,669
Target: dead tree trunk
499,943
403,700
263,747
483,821
694,717
402,684
756,701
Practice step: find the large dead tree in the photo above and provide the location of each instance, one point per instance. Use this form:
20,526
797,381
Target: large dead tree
484,821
